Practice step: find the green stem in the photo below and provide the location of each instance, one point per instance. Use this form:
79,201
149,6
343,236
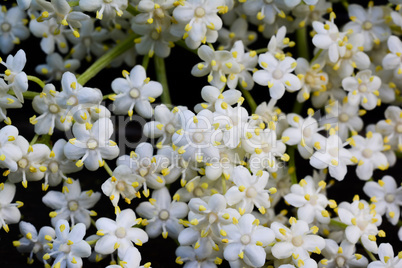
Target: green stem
370,255
145,61
105,60
182,44
108,170
338,224
345,4
34,139
36,80
316,55
132,10
74,3
261,50
251,102
162,78
29,95
106,97
302,43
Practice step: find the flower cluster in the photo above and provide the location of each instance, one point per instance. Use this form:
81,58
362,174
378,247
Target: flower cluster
220,178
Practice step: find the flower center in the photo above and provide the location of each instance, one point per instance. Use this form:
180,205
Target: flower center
72,205
212,217
155,35
87,41
277,74
313,200
245,239
333,152
268,1
143,171
54,167
54,108
92,144
199,12
251,192
343,117
398,128
120,232
363,88
107,1
367,25
72,101
367,153
121,186
159,13
310,79
164,215
198,137
6,27
340,261
65,248
390,198
362,224
348,54
23,163
134,93
198,192
297,241
307,132
170,128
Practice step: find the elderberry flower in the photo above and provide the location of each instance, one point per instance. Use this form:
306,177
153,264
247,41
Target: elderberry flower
387,258
370,22
131,259
71,204
119,235
238,31
55,66
7,101
198,21
147,167
363,89
12,28
391,127
312,78
51,35
63,13
306,15
246,240
69,247
331,154
211,94
310,202
156,13
279,42
135,90
104,9
51,113
294,3
9,212
34,243
190,257
162,215
362,221
387,196
393,61
277,75
367,152
17,79
264,11
216,64
342,255
92,145
249,190
10,152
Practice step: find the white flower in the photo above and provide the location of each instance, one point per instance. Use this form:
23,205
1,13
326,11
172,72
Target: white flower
156,13
238,31
16,78
392,61
362,223
277,75
119,235
310,202
76,99
279,42
264,10
331,154
72,204
69,247
306,15
199,21
370,22
228,160
391,127
387,259
147,167
162,215
192,258
131,259
135,91
249,190
10,152
211,94
296,241
32,164
312,78
105,9
342,255
55,66
124,183
23,4
51,114
7,101
51,35
9,212
268,112
246,240
217,64
92,145
387,197
89,41
293,3
34,243
368,154
62,12
363,89
12,29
